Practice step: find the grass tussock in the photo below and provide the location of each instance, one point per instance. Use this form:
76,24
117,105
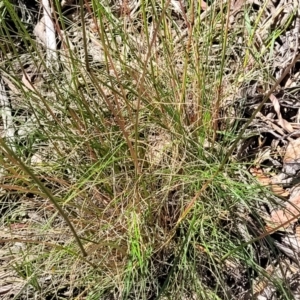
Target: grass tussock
122,182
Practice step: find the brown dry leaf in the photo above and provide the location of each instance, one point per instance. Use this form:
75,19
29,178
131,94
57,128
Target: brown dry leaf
287,215
297,234
260,176
39,31
5,289
292,153
279,190
261,283
237,6
159,145
18,226
291,160
284,124
264,180
26,80
203,5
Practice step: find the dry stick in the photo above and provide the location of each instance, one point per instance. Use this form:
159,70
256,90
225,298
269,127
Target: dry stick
229,153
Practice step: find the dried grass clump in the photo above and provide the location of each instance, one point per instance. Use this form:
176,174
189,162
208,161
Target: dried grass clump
134,162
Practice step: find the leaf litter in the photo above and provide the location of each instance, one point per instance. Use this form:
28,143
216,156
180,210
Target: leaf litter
274,141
